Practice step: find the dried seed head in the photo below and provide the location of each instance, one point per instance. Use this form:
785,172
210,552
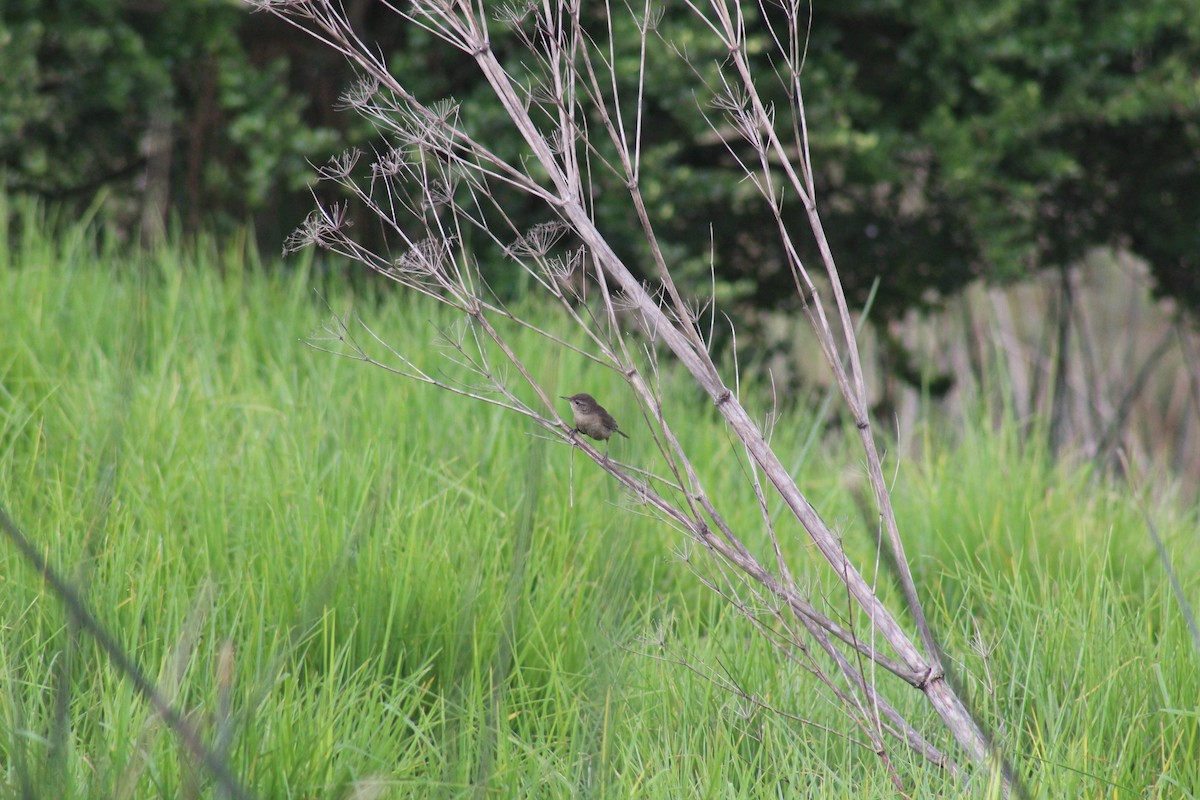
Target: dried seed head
426,257
538,241
360,94
321,228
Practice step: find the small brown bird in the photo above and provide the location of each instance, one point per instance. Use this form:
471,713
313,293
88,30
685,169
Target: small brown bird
592,419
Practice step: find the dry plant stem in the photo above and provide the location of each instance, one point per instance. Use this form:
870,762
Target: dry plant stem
818,625
731,686
867,720
931,681
734,688
1164,558
630,166
464,26
79,611
729,26
855,676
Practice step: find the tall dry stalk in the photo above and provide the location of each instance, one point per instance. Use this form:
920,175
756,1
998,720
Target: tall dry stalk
437,183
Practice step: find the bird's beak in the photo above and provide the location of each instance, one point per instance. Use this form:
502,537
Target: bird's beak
564,397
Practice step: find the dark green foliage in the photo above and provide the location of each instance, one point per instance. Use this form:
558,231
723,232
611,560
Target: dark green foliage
998,138
88,84
952,141
74,74
989,139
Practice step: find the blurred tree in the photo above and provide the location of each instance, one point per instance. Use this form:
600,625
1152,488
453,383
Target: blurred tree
954,141
182,105
987,139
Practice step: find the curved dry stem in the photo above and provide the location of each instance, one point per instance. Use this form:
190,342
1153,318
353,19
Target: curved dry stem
573,87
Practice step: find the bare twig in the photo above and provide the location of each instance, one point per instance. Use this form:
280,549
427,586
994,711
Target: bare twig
569,111
84,618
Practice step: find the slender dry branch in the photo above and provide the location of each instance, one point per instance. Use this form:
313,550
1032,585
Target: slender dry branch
574,115
84,618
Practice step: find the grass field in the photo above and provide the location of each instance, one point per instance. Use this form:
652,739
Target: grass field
359,586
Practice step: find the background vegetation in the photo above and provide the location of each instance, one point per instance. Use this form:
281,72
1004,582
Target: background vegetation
955,141
358,586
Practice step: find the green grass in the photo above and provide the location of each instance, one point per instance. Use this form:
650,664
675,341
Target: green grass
414,606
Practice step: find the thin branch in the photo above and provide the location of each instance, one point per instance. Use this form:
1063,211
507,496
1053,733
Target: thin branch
78,610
